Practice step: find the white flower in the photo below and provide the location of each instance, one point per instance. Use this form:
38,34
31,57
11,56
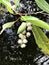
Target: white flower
28,34
28,24
22,36
29,28
20,41
22,45
25,41
24,32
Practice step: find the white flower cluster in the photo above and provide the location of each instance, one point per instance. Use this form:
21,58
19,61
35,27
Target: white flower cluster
22,41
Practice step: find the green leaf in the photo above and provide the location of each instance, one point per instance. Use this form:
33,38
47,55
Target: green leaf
41,39
35,21
8,0
0,0
8,5
9,8
21,28
43,36
17,3
6,25
43,5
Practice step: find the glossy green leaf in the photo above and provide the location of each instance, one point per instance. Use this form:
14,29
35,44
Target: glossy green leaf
41,39
35,21
43,5
21,28
6,25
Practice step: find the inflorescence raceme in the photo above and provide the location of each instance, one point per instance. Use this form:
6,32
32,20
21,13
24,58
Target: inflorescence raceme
24,35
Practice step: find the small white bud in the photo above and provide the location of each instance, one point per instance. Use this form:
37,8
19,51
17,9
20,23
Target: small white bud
20,41
22,45
29,28
25,41
24,32
22,36
28,24
28,34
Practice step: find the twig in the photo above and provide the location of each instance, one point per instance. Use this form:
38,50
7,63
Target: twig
29,13
41,12
45,13
17,19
